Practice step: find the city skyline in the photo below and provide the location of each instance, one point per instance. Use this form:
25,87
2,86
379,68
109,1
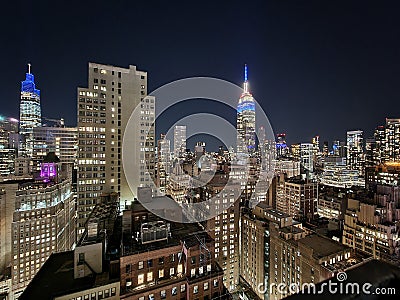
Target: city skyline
299,58
200,150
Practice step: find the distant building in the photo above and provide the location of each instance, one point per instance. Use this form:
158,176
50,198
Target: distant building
289,167
282,150
297,198
355,150
179,141
246,120
63,141
9,145
383,174
339,175
30,113
164,164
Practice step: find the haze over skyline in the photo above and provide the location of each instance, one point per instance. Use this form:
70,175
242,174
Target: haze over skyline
316,67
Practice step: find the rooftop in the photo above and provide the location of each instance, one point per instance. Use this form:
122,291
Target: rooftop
56,278
322,246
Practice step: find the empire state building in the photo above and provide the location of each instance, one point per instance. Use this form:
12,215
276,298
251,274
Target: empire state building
246,121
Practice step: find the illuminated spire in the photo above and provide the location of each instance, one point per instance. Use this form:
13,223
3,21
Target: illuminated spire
29,68
246,83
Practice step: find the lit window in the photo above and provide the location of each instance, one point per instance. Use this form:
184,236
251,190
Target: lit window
140,278
149,276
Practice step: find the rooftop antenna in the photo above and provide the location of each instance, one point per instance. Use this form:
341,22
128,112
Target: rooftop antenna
29,68
246,83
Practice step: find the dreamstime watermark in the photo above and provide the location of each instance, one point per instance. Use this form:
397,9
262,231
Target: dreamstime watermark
338,286
136,164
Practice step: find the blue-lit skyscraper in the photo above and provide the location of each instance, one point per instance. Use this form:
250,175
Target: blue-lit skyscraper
246,120
29,113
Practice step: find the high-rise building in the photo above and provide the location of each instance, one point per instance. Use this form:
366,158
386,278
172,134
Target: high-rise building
163,162
297,198
104,108
9,143
281,147
30,113
246,120
38,218
355,150
179,141
379,151
392,140
339,148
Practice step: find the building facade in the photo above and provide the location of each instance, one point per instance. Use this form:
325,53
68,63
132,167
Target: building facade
104,109
30,113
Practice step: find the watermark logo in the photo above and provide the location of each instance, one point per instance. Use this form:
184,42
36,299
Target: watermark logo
330,287
341,276
137,157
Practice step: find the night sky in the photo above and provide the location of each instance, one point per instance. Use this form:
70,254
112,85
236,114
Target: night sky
317,67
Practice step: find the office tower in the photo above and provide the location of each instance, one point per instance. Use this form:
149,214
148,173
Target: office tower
304,152
104,108
315,142
380,144
199,151
246,120
289,167
281,146
325,149
39,219
9,143
179,141
370,150
355,150
30,113
297,198
63,141
392,140
339,175
339,148
307,152
163,162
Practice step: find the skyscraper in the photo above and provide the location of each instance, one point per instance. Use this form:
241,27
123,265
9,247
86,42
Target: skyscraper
179,141
392,138
163,162
246,120
281,146
104,108
30,112
355,150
